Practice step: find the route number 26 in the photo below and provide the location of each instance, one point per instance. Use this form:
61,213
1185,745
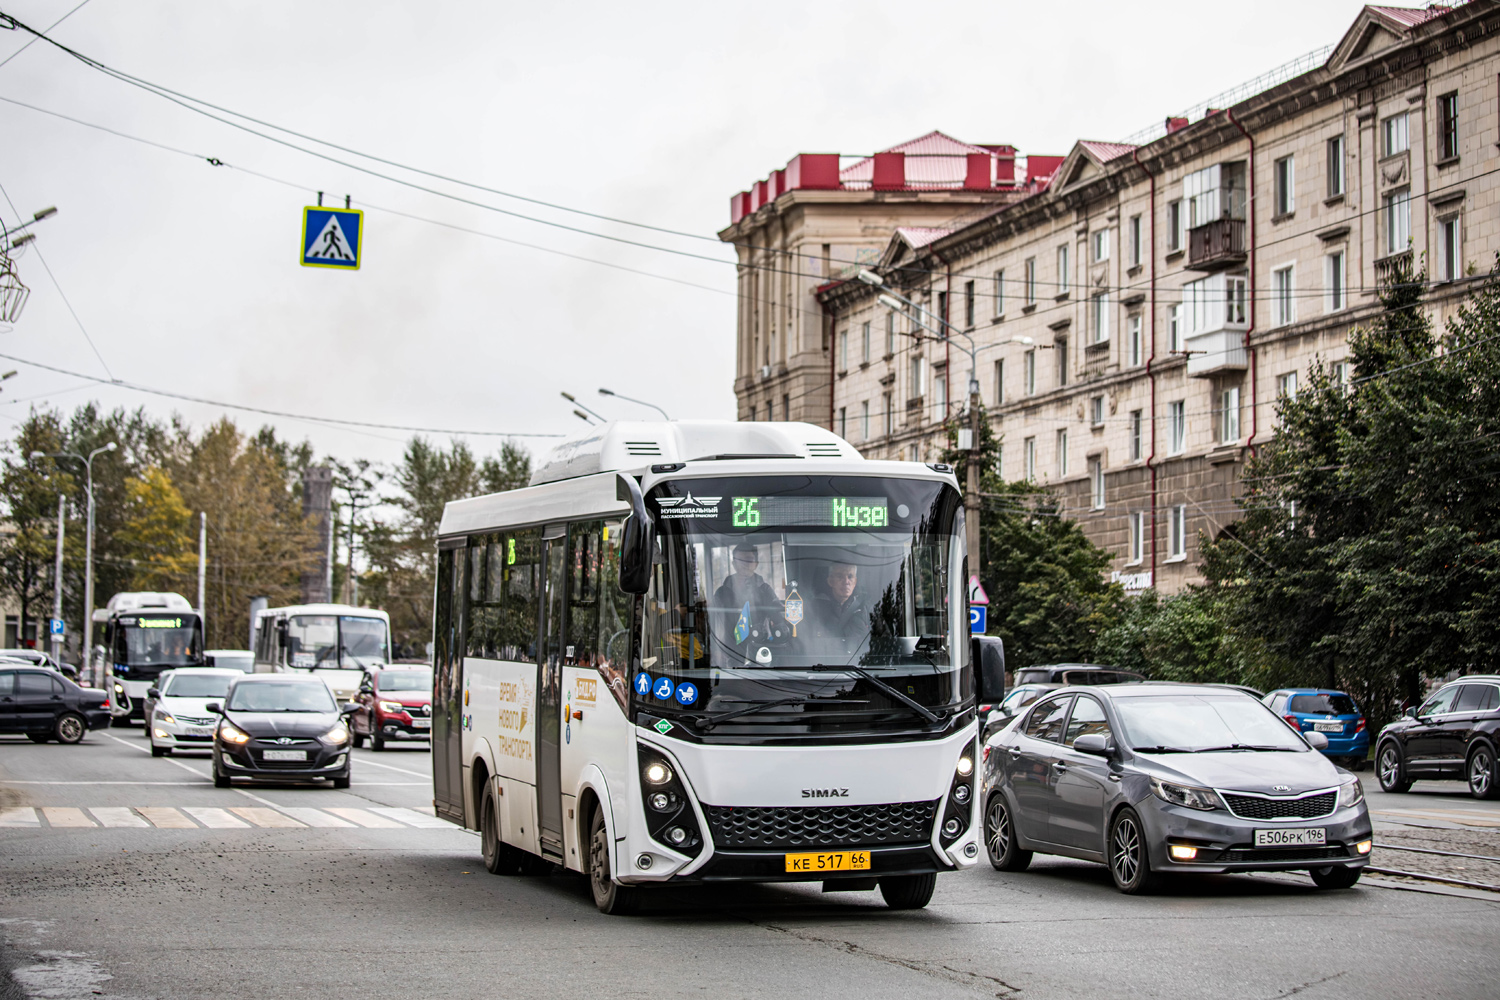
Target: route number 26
747,512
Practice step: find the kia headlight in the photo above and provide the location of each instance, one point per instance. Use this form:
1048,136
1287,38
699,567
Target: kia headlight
1185,795
1351,793
392,706
338,734
233,734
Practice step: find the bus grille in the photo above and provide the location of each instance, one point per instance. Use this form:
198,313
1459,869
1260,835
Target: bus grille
821,826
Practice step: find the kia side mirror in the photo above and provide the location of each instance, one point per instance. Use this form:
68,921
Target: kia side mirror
153,692
1099,745
639,538
214,707
988,654
1316,740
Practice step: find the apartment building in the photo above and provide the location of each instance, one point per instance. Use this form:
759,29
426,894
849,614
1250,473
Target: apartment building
823,216
1136,318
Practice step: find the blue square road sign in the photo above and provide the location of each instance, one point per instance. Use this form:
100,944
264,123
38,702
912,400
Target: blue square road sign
331,237
978,619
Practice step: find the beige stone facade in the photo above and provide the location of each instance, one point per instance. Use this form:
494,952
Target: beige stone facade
1137,318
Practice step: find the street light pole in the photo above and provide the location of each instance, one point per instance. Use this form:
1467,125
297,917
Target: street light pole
57,580
88,553
638,402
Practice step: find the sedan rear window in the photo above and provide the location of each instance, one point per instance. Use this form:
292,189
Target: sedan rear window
271,696
1203,722
1323,704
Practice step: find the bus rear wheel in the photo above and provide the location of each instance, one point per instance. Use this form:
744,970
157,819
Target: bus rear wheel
908,892
609,896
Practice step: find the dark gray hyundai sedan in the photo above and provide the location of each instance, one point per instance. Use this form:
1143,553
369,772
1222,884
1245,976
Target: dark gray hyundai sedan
1152,779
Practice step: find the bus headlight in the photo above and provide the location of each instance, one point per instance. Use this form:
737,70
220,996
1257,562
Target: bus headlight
965,766
657,773
670,819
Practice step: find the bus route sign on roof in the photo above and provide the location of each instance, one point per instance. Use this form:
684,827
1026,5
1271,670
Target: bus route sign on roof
331,237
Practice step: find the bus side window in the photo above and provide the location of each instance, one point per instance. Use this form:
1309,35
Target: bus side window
519,623
583,592
442,620
484,596
615,607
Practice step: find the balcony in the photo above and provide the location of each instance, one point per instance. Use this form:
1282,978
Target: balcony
1217,244
1387,268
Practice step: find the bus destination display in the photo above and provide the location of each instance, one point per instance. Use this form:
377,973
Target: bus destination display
810,512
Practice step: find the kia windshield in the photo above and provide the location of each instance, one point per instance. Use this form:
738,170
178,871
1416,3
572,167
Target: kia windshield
1202,724
804,606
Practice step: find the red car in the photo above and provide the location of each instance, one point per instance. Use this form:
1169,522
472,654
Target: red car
394,704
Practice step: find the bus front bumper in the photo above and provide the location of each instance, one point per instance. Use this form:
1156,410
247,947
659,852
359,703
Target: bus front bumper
770,866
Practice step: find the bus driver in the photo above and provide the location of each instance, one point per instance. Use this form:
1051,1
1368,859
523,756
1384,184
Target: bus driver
842,614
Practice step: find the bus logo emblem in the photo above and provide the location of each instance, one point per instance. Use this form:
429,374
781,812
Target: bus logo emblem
662,726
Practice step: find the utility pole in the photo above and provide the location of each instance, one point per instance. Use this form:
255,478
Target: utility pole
57,579
971,489
202,567
349,574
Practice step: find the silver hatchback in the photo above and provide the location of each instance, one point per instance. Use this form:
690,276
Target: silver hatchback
1152,779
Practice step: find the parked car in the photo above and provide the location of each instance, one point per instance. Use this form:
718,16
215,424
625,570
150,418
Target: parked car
176,707
394,704
45,705
233,659
1074,673
41,658
283,727
1454,734
1157,779
1332,713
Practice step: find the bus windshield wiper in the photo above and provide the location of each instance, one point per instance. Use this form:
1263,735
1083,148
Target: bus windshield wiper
710,721
1161,749
911,703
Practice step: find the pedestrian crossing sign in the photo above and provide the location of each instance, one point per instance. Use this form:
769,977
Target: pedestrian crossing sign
331,237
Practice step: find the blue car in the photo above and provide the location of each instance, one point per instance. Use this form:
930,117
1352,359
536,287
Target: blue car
1332,713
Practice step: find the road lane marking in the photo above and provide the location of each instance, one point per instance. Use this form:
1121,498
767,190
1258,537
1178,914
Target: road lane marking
215,819
169,760
19,817
66,816
166,818
363,817
411,817
265,817
113,816
415,774
315,817
7,781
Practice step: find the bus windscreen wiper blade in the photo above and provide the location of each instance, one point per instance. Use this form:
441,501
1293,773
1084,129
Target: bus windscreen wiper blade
709,721
911,703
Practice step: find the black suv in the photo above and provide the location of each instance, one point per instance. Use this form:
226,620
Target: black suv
45,705
1074,673
1455,734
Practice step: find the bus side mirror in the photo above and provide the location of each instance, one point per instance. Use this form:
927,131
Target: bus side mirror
639,538
988,652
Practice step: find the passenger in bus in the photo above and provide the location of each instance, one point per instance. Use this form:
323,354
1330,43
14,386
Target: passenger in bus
744,586
842,613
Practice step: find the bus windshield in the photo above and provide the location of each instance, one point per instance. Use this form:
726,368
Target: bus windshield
158,641
805,604
348,642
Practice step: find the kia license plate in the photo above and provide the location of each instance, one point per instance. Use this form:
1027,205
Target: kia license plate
284,755
1315,836
1328,727
200,730
833,861
421,723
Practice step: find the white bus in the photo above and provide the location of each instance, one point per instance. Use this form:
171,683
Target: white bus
701,652
338,642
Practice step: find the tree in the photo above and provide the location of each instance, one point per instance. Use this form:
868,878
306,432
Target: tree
29,491
157,534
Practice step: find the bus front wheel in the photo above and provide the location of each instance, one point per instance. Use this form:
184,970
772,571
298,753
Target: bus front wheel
908,892
609,895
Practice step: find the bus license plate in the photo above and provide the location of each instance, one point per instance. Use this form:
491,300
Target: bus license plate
285,755
835,861
1328,727
1313,836
421,723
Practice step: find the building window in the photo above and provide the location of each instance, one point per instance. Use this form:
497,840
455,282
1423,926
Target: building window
887,414
1177,532
942,313
1137,436
843,423
1286,386
864,343
1335,166
1337,297
1060,348
1030,373
864,420
1031,459
1285,176
969,304
1101,245
844,349
916,320
918,377
1283,304
1343,374
1096,411
1000,460
786,407
1174,226
940,396
1062,454
1136,346
1101,317
1135,241
890,334
1174,329
1449,252
999,383
1137,553
1030,281
1213,303
1397,220
1096,482
1177,427
1062,270
1000,293
1394,132
752,412
1229,415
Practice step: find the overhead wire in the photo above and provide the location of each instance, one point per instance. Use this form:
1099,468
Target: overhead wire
34,38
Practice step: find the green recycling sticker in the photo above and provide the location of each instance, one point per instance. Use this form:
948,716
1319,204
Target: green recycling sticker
662,726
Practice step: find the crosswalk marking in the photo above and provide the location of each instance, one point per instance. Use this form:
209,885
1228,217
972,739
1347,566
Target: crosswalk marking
19,817
264,817
315,817
116,816
66,816
411,817
214,819
363,817
166,817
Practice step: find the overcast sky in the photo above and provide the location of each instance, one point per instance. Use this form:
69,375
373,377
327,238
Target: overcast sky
186,275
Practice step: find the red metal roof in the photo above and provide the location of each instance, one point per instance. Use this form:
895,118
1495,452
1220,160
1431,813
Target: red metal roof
920,236
1410,17
1106,151
933,162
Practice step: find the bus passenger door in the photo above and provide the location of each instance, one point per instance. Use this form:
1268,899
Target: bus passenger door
549,698
447,686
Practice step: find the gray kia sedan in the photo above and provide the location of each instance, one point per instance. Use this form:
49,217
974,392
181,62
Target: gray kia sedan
1151,779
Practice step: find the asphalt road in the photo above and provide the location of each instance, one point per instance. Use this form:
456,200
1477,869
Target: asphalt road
132,877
